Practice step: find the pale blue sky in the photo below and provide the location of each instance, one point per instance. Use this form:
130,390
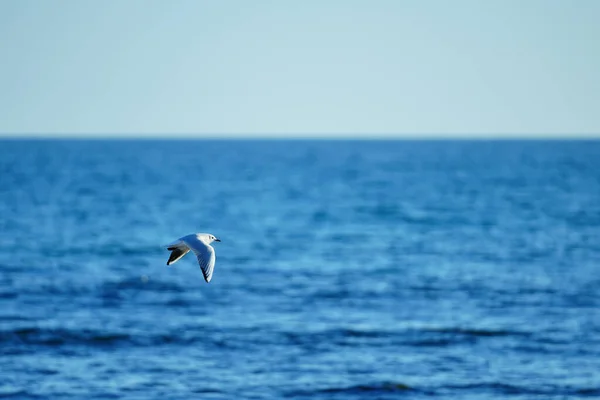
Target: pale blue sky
338,67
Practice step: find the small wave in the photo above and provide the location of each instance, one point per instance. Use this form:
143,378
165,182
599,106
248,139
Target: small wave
510,389
104,250
57,337
423,337
369,389
379,210
476,332
349,332
15,318
504,388
442,337
6,268
587,391
433,342
320,216
336,336
386,387
94,338
206,391
8,393
138,283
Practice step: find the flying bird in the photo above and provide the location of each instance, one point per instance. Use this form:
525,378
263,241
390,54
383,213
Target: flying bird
199,243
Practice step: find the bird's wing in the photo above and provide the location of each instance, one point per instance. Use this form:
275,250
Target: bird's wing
205,255
178,250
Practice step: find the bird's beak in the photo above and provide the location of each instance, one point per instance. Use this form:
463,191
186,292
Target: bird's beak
217,240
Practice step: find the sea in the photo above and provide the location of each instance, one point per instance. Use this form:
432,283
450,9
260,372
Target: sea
347,269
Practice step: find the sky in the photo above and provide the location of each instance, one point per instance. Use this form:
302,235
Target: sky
290,68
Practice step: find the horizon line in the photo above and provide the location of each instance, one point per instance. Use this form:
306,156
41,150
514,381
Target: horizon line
299,136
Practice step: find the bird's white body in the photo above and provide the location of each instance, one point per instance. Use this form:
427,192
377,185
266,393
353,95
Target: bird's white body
199,243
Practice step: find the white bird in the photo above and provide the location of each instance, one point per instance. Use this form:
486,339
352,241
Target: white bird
199,243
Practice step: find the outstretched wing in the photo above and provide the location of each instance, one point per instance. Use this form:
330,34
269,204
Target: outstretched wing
178,250
205,255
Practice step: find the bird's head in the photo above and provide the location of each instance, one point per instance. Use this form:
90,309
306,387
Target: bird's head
207,238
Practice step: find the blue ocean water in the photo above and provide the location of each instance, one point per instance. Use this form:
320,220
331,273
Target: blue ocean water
347,269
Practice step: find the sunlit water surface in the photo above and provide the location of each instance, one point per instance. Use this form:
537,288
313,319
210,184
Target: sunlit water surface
347,270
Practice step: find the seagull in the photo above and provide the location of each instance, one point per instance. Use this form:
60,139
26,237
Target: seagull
199,243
